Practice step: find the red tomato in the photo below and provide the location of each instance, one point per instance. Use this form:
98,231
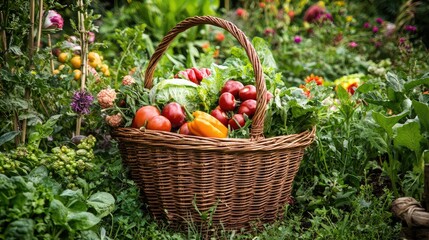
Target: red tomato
143,115
174,112
248,107
220,115
232,87
184,129
159,123
248,92
227,101
237,121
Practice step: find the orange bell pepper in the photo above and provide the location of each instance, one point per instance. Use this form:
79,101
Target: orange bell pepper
206,125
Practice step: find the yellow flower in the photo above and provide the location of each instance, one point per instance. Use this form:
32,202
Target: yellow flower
340,3
349,18
321,4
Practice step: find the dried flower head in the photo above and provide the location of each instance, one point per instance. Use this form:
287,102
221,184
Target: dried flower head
128,80
81,102
114,120
53,20
106,98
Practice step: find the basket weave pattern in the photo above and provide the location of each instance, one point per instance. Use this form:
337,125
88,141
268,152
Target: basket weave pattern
247,180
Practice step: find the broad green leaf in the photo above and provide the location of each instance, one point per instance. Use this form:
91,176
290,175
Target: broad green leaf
20,229
422,110
342,94
74,200
394,82
8,137
89,235
102,202
387,122
408,135
59,212
416,82
82,220
37,175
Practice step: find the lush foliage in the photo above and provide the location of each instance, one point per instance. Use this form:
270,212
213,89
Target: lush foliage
358,71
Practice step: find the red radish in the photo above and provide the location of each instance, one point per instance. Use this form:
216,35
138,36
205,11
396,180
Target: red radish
232,87
237,121
220,115
248,107
227,101
248,92
175,113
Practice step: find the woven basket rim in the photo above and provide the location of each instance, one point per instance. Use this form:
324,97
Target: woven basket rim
181,141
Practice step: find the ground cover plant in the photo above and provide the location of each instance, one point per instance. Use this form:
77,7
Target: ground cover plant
72,71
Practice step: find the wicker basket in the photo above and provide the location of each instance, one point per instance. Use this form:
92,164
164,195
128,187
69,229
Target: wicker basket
248,181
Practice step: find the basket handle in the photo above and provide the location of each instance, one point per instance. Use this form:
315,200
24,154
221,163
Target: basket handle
257,130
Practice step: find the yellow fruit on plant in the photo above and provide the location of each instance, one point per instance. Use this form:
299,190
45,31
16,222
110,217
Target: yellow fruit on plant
77,74
61,67
56,71
95,63
63,57
93,56
94,59
76,61
104,68
106,73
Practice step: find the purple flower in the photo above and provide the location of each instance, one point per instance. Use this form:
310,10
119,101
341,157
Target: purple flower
379,20
297,39
366,25
353,44
53,20
81,102
375,29
401,40
410,28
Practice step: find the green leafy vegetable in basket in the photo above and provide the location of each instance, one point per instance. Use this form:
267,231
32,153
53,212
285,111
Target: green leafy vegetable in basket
181,91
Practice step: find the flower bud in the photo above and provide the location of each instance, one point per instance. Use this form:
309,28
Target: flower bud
53,20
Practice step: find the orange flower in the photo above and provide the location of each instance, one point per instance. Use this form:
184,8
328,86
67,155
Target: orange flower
312,77
305,89
205,46
216,53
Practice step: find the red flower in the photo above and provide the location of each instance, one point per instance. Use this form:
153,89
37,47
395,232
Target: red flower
241,12
219,37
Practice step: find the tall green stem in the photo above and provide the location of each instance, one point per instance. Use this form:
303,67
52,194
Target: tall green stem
83,54
27,92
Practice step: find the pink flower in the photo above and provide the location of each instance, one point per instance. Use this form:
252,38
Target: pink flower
91,37
367,25
297,39
106,97
375,29
114,120
53,20
410,28
353,44
128,80
379,20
